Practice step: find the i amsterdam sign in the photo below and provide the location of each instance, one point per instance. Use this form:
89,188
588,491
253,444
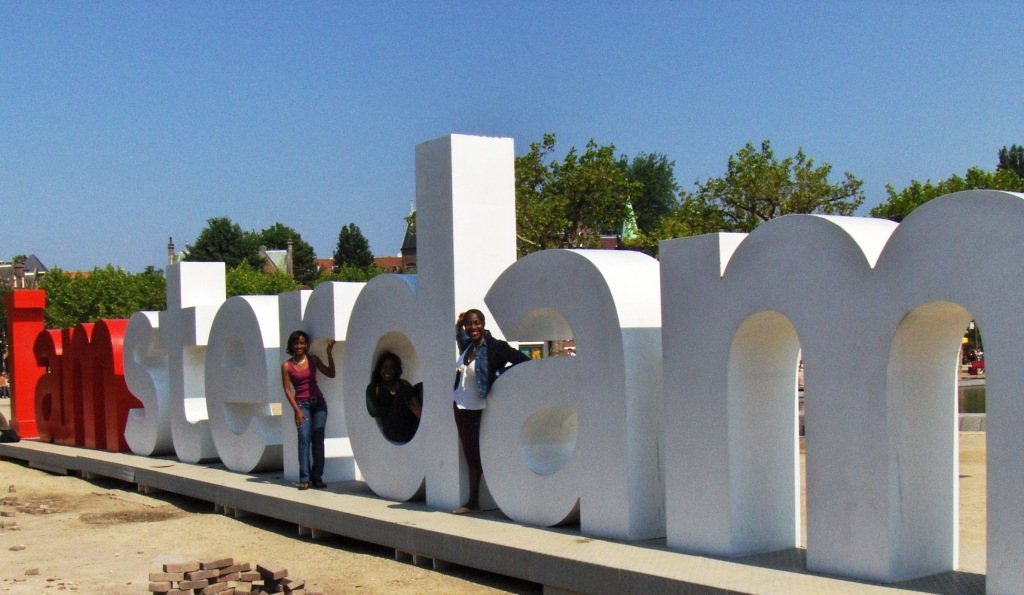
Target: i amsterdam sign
678,418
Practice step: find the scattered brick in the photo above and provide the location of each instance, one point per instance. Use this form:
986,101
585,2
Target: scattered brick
227,578
166,576
32,572
181,567
220,563
197,575
272,572
216,588
8,513
16,548
291,584
12,489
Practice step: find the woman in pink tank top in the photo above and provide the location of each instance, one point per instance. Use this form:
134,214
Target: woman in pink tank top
298,376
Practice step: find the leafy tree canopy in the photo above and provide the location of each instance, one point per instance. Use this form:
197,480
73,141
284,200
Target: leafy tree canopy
1012,159
353,249
225,241
568,204
657,195
901,203
350,272
758,187
246,280
104,293
303,257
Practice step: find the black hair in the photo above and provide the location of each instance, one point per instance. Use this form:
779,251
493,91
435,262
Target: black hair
387,355
483,319
294,338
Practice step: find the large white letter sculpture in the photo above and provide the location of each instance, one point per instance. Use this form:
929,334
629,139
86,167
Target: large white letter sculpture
465,192
165,366
879,321
580,434
148,430
243,378
324,314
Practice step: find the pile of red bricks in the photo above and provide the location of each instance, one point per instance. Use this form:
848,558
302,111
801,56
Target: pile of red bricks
224,577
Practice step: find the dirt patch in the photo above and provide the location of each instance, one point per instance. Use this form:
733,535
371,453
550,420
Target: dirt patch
100,536
127,517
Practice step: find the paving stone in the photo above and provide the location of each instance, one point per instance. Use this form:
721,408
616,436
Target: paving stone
197,575
224,578
273,572
159,586
181,567
216,588
217,563
191,585
167,576
244,567
250,576
291,584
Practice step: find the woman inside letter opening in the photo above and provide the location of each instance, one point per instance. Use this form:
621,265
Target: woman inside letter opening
391,399
478,365
298,375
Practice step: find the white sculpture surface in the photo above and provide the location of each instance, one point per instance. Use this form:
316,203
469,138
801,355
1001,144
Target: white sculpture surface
243,378
579,435
323,314
465,193
148,430
877,313
195,291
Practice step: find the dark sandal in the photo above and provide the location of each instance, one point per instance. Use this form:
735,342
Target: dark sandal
319,485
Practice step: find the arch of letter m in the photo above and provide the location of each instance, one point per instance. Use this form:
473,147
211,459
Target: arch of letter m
877,312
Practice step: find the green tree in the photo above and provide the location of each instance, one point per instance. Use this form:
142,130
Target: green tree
353,249
900,203
224,241
303,257
568,204
657,196
758,187
1012,159
103,293
349,272
246,280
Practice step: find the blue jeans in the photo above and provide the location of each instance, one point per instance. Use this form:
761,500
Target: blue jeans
311,440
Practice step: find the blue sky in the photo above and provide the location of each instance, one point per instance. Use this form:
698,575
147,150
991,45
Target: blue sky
124,123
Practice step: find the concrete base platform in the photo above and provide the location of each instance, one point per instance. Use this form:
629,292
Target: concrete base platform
560,559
